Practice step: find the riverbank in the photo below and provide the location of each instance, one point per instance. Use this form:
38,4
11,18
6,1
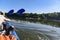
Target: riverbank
46,22
48,19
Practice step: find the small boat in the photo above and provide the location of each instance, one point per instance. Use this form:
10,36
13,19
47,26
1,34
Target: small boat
13,32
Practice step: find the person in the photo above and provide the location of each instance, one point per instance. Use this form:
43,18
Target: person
4,25
4,36
7,35
7,27
8,31
2,20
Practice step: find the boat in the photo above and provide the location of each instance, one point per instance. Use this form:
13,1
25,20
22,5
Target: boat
13,32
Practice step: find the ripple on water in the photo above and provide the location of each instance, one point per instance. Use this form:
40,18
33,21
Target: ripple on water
34,31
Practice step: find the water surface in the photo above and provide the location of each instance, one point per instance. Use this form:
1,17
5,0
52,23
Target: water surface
36,31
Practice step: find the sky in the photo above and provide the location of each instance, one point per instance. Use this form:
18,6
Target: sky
31,6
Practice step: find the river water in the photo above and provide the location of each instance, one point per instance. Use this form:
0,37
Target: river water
36,31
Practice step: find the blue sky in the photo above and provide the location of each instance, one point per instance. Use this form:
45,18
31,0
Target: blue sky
34,6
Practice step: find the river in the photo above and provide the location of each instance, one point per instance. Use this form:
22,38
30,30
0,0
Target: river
36,31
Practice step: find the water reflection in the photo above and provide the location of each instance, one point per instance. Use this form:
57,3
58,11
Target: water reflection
52,23
36,31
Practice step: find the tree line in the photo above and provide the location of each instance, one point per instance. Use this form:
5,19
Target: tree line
45,16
